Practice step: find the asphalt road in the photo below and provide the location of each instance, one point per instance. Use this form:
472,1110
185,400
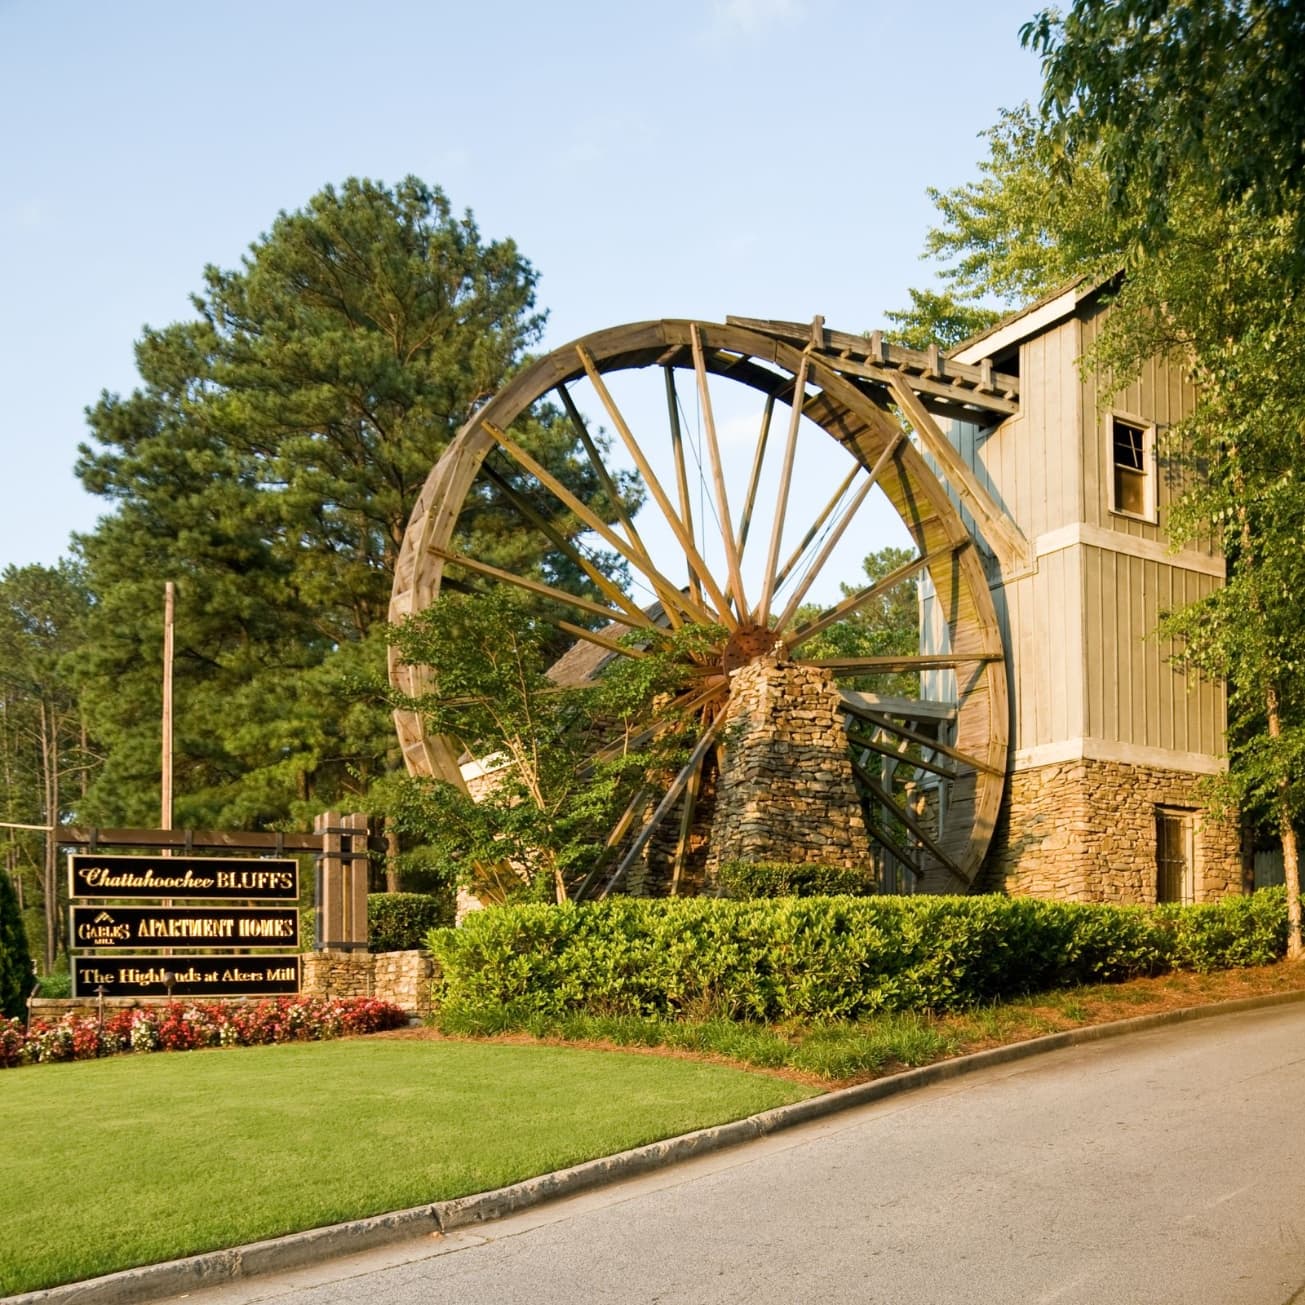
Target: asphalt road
1167,1166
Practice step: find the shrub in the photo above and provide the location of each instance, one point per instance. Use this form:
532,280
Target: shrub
399,922
58,984
823,957
15,960
744,879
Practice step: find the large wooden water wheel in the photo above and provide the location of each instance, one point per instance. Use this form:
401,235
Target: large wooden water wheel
763,453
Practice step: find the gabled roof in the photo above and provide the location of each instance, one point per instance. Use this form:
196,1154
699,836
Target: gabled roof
1025,322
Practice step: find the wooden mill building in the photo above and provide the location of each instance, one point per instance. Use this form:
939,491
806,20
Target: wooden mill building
1109,740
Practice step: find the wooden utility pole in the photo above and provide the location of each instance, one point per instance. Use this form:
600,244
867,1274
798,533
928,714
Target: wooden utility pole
165,779
169,607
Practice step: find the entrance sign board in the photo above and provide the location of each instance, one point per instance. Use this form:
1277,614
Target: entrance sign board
211,878
125,927
185,976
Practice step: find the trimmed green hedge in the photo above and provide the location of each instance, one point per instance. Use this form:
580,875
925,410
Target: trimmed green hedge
399,922
745,879
828,957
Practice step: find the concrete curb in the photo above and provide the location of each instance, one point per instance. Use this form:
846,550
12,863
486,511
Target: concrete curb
172,1278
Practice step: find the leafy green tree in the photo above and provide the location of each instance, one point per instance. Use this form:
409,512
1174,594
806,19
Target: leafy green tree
1157,91
45,755
268,464
16,977
559,762
1193,113
936,317
1031,223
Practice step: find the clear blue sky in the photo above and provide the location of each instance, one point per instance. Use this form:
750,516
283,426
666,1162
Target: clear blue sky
761,157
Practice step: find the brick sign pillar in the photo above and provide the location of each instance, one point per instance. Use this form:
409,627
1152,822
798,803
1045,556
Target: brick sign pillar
342,882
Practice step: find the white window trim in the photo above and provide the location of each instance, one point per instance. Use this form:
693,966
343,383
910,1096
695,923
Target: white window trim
1150,514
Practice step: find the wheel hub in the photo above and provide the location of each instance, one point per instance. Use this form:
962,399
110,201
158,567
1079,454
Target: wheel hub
748,644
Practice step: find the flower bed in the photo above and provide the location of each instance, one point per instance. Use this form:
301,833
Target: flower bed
184,1026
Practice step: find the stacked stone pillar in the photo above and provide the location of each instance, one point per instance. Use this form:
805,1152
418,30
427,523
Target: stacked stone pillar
785,790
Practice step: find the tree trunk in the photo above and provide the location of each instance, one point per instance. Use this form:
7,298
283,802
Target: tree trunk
1290,850
1287,831
392,850
50,871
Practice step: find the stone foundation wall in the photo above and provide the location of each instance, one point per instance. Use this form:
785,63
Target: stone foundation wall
785,790
1086,831
403,978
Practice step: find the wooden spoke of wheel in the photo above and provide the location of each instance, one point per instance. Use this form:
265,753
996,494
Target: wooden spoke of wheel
686,825
667,592
934,745
619,831
691,700
613,593
718,475
854,602
639,622
898,853
691,555
836,534
885,751
672,794
592,636
750,499
761,616
817,525
681,471
885,800
600,468
903,662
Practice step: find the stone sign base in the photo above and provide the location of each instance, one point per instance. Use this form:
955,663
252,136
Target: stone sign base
403,978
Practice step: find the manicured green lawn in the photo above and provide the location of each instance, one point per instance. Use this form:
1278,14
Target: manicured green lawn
113,1163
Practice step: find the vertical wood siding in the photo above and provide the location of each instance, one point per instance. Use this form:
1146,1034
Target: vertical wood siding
1080,631
1134,693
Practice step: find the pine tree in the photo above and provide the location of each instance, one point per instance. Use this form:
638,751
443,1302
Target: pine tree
267,465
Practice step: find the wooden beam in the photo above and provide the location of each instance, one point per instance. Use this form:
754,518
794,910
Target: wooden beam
872,358
209,839
903,662
1006,538
885,751
758,457
686,825
609,485
592,636
613,593
817,524
681,471
864,704
892,726
542,590
618,832
898,853
836,534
